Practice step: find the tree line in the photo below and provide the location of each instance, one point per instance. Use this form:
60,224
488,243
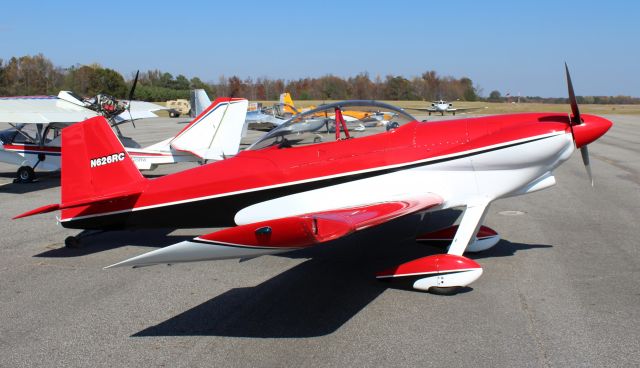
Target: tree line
37,75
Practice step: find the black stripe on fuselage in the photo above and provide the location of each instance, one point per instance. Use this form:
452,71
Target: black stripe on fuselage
220,211
407,281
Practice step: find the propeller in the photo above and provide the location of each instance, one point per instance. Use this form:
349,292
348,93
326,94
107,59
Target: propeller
575,119
133,89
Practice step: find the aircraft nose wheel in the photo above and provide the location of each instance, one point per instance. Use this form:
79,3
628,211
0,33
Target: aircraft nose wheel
25,174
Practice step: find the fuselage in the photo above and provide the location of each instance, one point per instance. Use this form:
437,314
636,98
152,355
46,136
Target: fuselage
488,157
22,154
441,106
47,157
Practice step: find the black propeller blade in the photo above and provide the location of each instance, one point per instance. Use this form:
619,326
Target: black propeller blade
576,120
133,89
584,151
572,99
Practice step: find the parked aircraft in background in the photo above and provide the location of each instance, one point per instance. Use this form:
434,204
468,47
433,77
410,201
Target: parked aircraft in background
213,135
286,192
443,106
267,118
36,122
199,101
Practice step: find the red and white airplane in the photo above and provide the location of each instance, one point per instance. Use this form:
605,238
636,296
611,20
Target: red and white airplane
286,192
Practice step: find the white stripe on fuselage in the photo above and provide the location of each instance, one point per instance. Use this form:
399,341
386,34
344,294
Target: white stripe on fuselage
449,165
488,175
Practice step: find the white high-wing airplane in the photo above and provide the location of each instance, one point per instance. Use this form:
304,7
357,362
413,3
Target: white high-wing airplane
443,106
34,142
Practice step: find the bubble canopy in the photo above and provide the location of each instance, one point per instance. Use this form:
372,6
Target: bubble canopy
319,124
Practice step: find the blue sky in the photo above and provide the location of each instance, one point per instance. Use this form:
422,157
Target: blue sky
511,46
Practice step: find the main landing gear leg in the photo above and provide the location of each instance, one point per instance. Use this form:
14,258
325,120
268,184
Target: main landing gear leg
444,273
76,241
471,221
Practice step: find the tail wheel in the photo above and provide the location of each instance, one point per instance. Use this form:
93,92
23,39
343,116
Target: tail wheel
72,242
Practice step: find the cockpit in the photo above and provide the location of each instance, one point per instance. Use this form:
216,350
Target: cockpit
335,121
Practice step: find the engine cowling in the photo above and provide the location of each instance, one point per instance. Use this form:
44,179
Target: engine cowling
436,271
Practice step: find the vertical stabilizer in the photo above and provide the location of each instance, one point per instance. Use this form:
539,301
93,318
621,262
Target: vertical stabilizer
95,165
216,132
287,103
199,102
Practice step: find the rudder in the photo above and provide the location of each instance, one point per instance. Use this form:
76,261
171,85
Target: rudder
95,165
287,103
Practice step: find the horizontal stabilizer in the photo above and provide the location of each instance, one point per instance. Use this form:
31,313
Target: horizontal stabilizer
39,210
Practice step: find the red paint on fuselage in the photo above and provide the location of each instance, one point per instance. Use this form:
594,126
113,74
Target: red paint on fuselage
272,166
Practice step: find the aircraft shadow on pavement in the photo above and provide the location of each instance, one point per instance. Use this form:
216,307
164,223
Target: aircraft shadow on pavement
504,248
43,181
316,297
100,242
311,299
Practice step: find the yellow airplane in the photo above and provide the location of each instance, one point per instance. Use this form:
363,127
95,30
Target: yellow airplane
350,115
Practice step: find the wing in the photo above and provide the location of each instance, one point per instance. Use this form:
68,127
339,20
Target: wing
42,110
463,109
429,109
139,110
283,234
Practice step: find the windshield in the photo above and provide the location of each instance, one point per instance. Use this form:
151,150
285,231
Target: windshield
19,133
328,122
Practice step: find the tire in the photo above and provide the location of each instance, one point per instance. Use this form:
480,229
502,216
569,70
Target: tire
392,125
25,174
72,242
445,290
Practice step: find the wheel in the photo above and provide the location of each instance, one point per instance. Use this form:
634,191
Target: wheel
445,290
392,125
317,139
25,174
72,242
